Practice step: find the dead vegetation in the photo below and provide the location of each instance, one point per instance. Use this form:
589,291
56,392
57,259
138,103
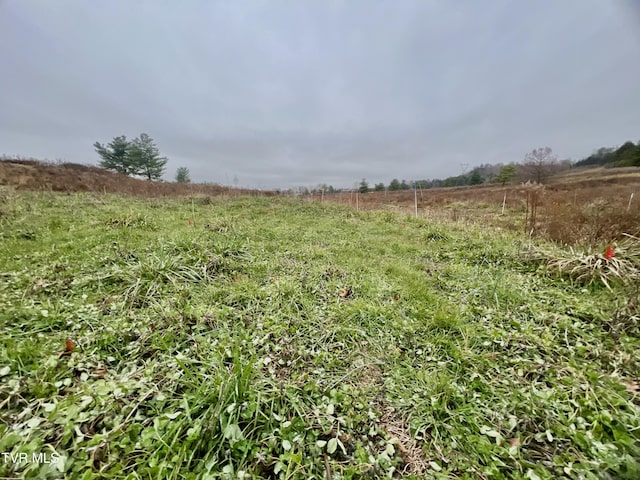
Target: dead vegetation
30,174
587,207
619,263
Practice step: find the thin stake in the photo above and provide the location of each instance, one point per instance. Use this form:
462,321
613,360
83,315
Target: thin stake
526,214
630,198
357,205
193,213
415,198
504,201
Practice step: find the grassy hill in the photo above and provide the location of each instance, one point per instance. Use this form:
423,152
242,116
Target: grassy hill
29,174
274,338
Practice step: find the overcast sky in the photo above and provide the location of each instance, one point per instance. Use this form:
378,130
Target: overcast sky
288,93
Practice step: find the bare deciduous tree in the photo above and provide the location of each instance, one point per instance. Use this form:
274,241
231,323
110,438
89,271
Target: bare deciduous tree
540,164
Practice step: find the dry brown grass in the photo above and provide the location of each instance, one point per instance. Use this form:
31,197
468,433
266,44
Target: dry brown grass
28,174
586,209
623,266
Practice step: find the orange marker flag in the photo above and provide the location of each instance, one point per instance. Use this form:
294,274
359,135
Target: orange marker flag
609,253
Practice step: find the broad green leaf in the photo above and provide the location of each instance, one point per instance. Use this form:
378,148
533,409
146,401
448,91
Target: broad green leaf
233,433
531,475
332,445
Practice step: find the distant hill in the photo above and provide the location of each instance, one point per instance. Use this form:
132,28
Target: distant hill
628,155
30,174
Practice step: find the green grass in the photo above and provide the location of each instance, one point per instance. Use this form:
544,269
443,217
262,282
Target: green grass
278,339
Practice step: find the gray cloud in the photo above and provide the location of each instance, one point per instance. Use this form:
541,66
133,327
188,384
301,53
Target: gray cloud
282,93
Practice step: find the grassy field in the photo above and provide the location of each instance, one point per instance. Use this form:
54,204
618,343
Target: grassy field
273,338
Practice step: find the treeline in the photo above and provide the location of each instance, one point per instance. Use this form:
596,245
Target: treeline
486,173
537,166
628,155
483,174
